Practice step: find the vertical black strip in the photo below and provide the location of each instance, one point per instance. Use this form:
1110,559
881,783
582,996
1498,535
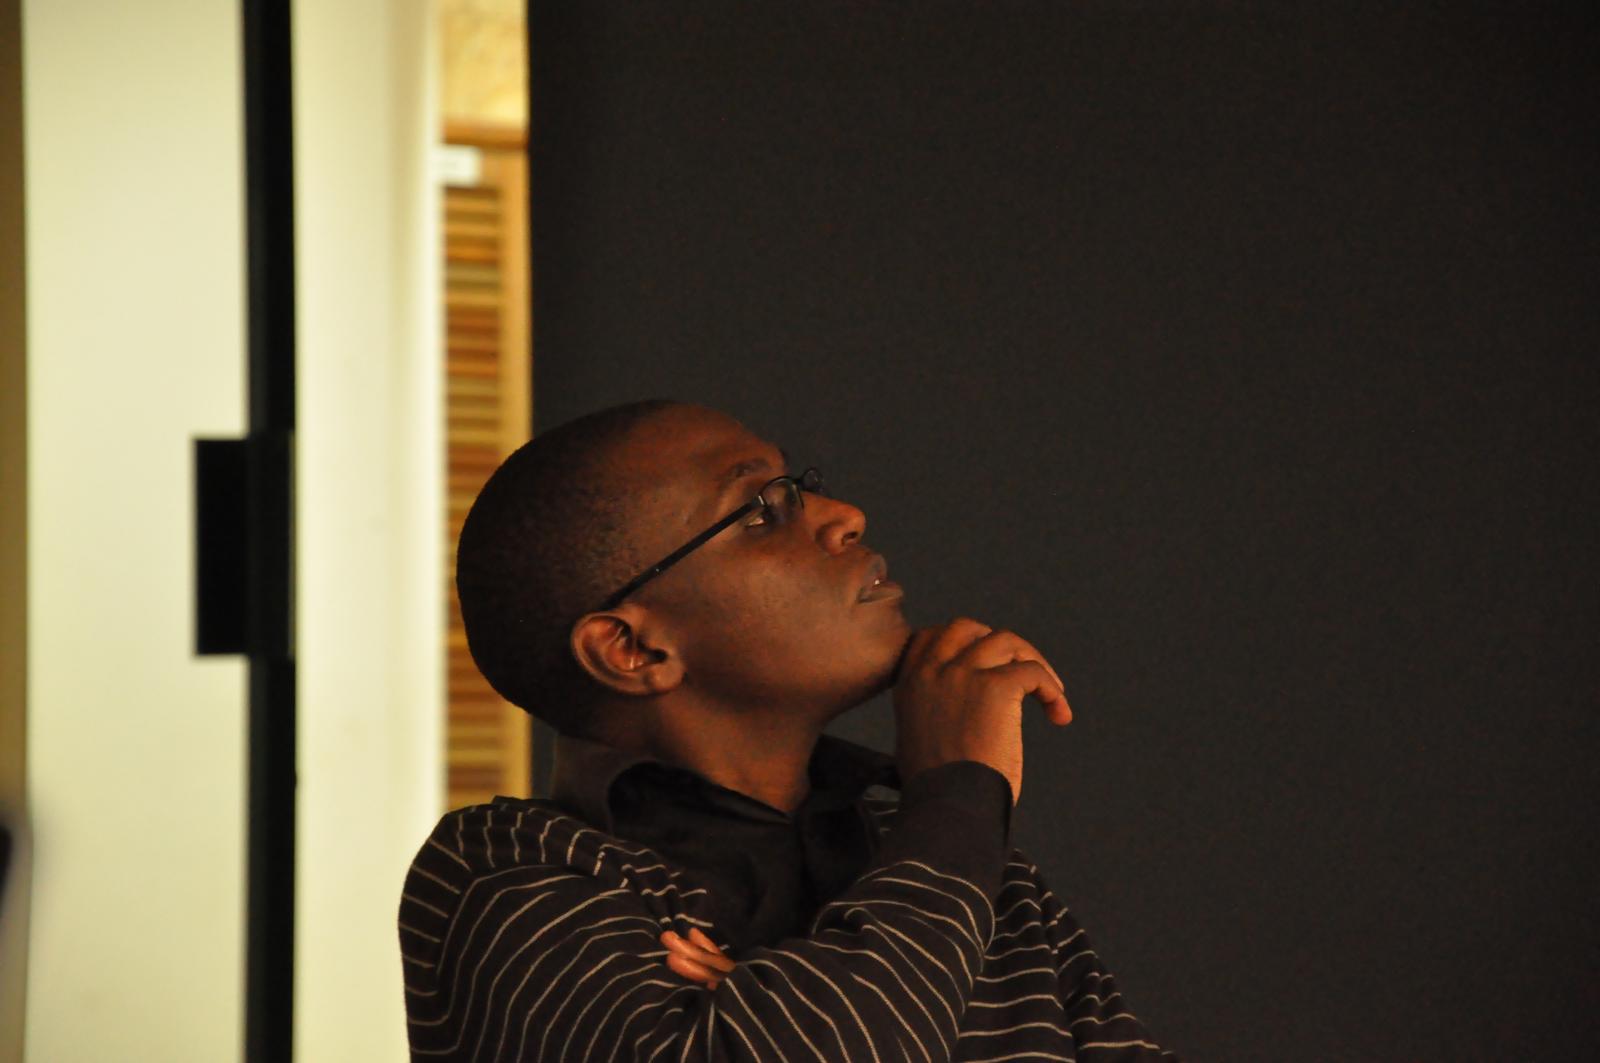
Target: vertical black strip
269,194
545,23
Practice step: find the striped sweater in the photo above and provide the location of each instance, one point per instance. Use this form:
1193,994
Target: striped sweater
527,934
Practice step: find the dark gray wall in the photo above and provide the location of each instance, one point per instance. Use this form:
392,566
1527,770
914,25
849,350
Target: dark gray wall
1244,362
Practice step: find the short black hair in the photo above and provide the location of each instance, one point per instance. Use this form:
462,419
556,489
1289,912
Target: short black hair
547,540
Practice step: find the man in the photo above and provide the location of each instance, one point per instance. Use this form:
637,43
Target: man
709,879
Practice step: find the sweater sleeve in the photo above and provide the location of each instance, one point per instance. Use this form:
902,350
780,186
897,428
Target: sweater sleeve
1102,1027
543,962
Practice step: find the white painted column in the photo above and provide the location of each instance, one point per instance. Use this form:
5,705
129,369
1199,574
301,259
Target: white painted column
369,466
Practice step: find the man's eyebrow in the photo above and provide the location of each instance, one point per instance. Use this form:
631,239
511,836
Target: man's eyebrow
738,471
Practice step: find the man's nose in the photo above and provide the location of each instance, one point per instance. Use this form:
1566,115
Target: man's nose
839,524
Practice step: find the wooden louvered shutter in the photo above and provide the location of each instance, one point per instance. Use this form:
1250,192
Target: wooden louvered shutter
489,402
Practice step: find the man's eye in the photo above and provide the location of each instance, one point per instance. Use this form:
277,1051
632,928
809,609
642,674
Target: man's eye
759,519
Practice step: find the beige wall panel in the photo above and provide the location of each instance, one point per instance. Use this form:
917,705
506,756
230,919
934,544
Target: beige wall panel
135,345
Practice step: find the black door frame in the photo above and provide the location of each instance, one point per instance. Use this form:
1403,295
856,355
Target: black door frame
269,241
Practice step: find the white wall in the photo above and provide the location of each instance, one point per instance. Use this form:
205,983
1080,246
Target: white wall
370,510
135,748
135,345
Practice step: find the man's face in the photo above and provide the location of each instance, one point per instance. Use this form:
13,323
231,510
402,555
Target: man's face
762,614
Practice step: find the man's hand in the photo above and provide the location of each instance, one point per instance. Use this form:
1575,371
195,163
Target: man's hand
696,957
958,696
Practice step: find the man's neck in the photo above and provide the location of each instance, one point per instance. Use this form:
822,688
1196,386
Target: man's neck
764,757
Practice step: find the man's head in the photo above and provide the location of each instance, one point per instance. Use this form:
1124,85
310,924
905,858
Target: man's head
762,617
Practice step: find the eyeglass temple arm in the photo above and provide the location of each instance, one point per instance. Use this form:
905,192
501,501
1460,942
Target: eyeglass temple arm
677,555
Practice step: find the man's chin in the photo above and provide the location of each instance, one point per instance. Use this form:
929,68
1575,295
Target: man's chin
893,656
882,678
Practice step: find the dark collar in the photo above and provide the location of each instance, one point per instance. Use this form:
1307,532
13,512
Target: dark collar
585,771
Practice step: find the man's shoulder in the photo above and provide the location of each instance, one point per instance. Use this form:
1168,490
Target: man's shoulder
482,861
516,880
512,844
512,832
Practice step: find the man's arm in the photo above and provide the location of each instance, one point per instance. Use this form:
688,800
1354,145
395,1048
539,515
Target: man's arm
1097,1016
544,962
1101,1024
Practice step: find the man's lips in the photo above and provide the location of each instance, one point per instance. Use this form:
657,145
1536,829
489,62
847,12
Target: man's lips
877,585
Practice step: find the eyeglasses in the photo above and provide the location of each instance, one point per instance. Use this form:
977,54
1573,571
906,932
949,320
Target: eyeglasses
779,501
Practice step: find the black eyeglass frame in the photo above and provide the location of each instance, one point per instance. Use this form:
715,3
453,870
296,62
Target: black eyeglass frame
809,481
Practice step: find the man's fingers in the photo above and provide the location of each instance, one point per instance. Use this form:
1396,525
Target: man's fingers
689,960
973,644
715,956
1003,647
1033,678
954,637
695,972
704,956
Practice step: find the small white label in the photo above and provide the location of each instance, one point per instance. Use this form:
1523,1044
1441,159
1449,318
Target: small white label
457,164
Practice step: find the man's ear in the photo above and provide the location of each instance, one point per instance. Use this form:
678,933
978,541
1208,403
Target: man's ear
625,652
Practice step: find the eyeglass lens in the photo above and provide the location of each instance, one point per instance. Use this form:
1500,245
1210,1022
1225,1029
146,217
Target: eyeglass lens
784,498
